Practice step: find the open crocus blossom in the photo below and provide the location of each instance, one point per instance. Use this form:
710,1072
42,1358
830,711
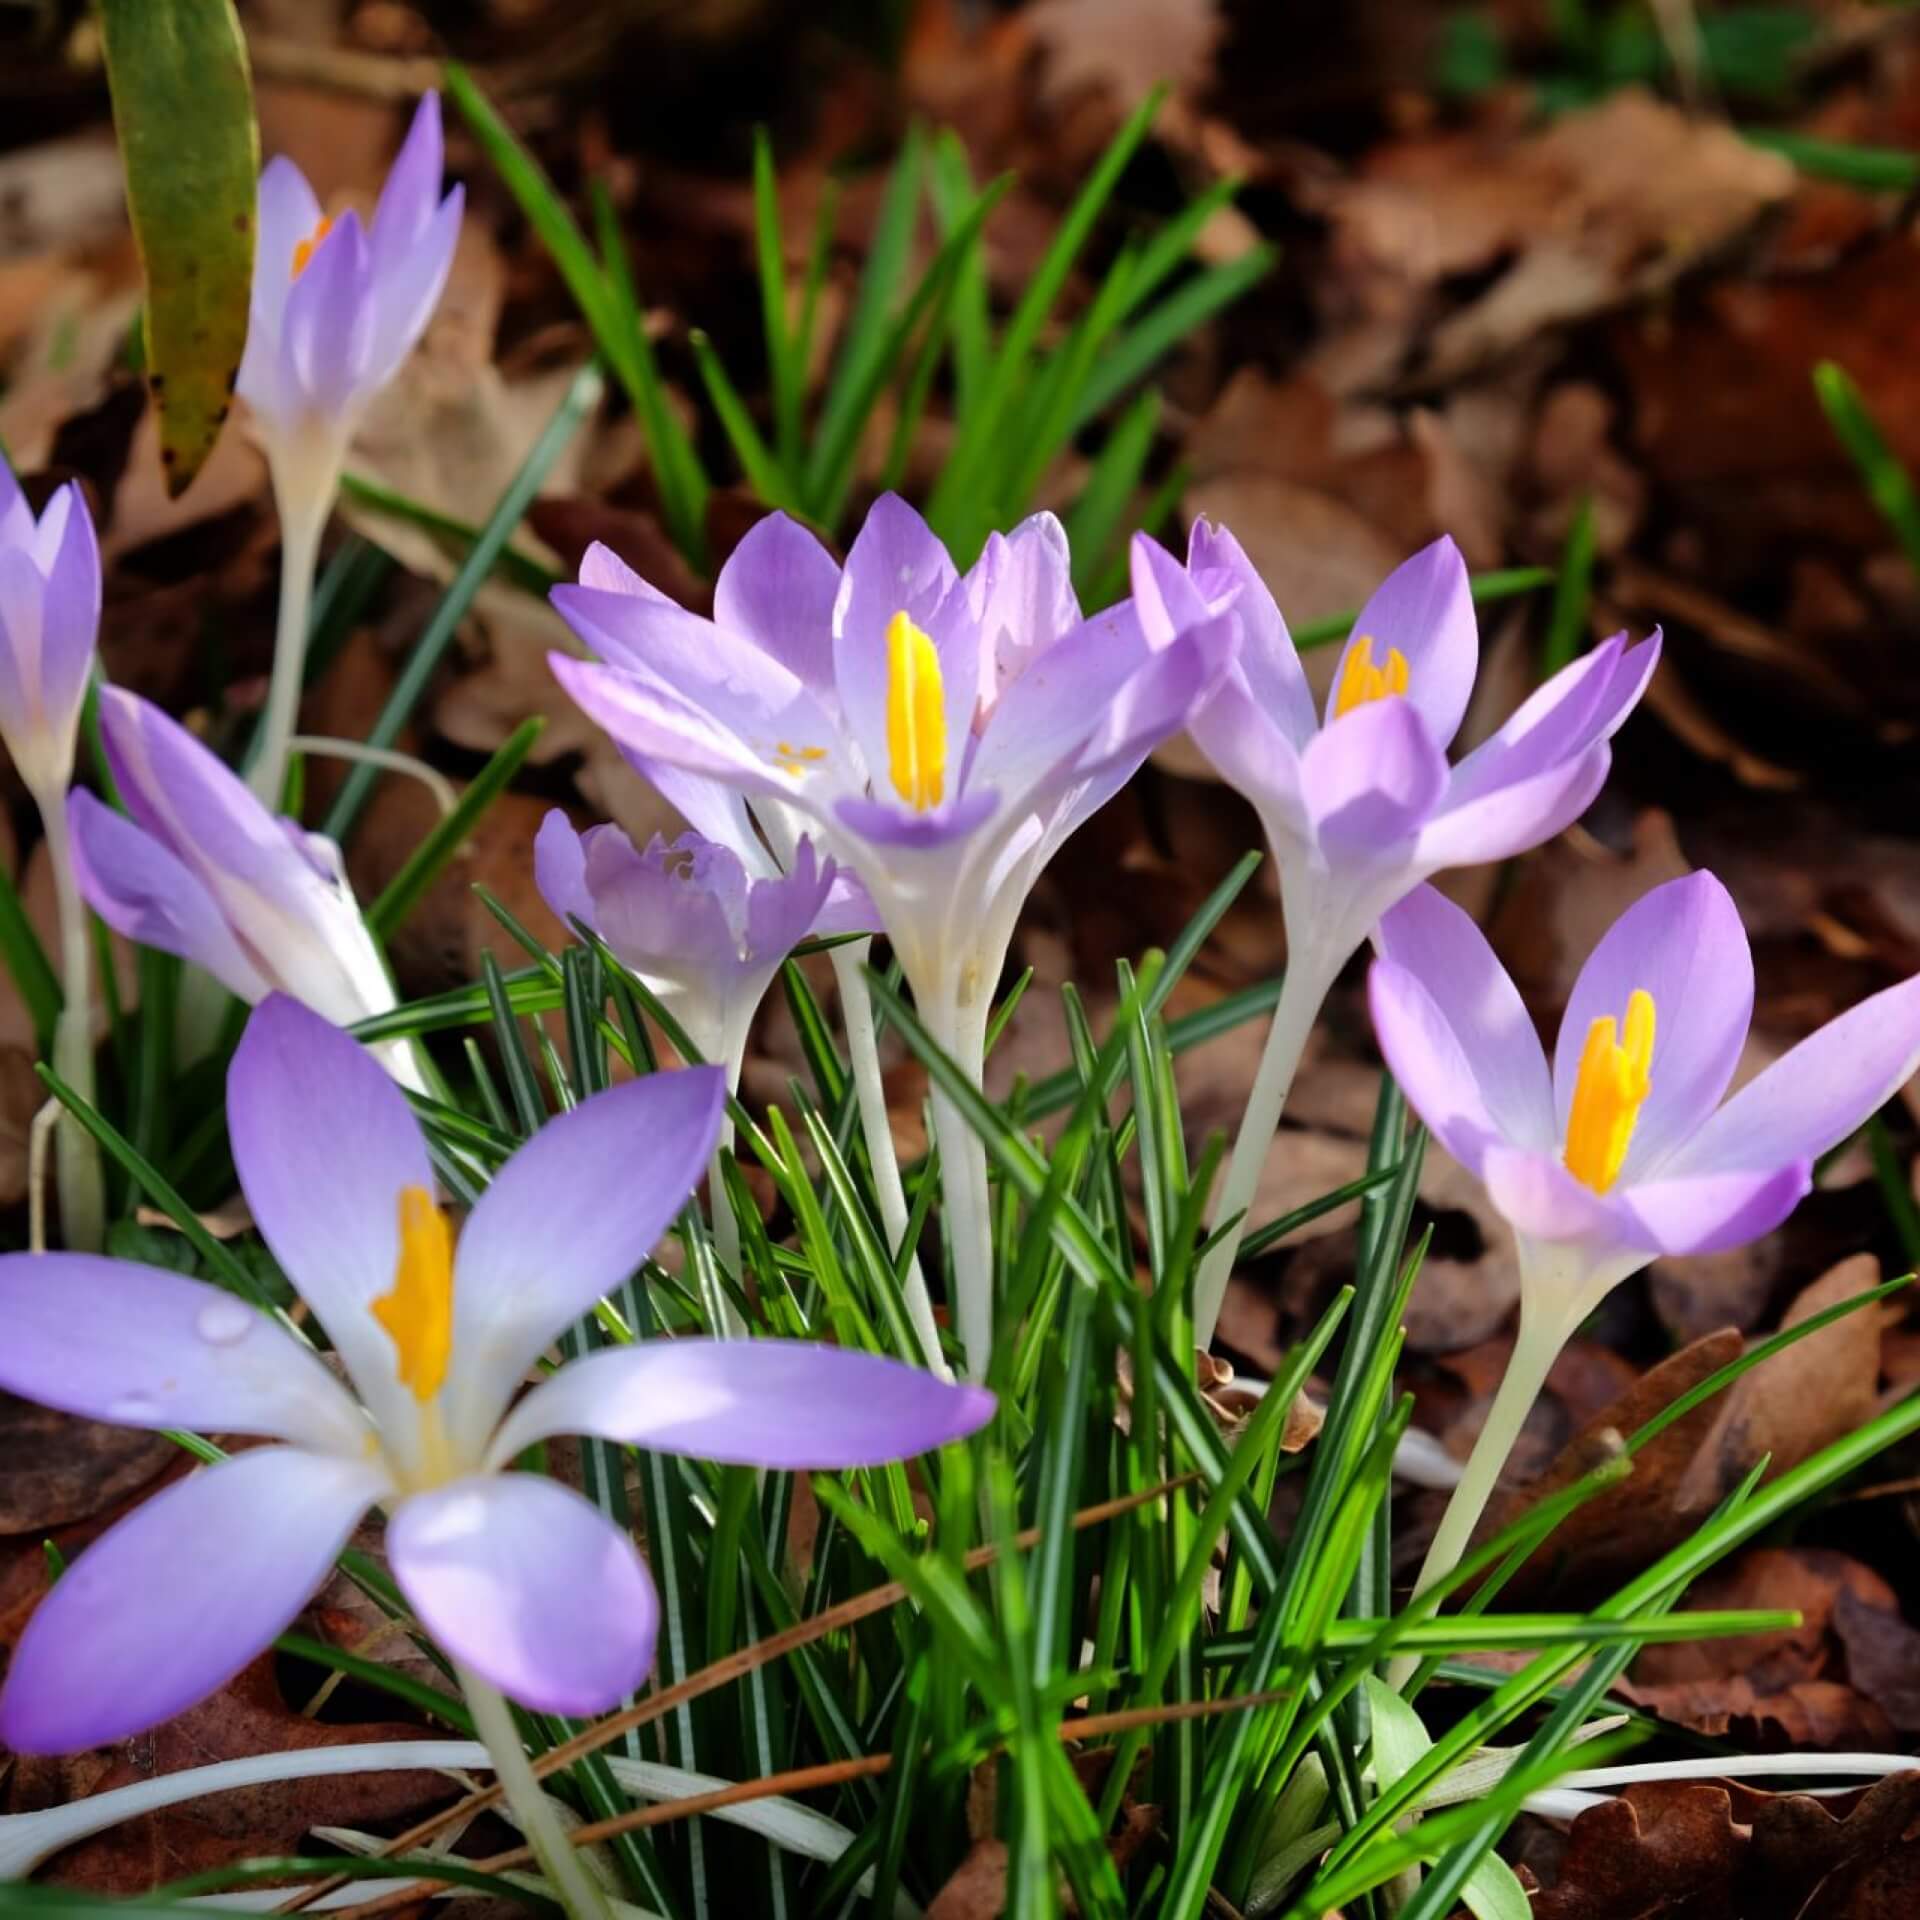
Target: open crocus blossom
941,734
517,1578
1360,803
49,620
1623,1149
337,307
705,934
203,870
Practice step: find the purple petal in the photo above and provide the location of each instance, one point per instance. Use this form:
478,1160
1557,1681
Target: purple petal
326,327
23,719
324,1143
1712,1212
1269,662
1536,1194
1166,597
1023,585
1583,704
651,722
522,1580
403,298
1059,701
1370,779
1509,820
287,214
616,1170
1425,608
1426,1056
1812,1098
897,565
560,869
785,1404
1439,945
777,589
848,907
411,196
710,808
675,915
172,1602
114,1340
135,884
16,517
885,825
1683,943
70,608
783,912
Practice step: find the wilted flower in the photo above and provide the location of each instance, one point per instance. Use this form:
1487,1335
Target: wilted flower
338,305
1361,806
203,870
1624,1149
942,735
705,934
49,622
516,1577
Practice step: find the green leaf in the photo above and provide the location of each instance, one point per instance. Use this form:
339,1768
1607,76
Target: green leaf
183,105
27,964
1876,169
1888,483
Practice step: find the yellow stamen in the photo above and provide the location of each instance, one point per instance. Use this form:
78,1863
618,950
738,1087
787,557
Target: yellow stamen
916,715
796,760
1608,1093
418,1313
1361,681
303,253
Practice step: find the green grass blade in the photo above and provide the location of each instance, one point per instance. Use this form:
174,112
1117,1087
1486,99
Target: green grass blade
1572,594
1889,485
27,964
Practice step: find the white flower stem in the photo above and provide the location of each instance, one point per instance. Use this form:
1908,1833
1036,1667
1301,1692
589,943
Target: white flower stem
83,1204
964,1192
388,759
1541,1336
566,1872
305,497
1309,974
863,1050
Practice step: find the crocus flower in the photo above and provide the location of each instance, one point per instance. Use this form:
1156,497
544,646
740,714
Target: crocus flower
49,623
1360,804
1624,1148
49,620
516,1577
940,734
338,305
203,870
704,932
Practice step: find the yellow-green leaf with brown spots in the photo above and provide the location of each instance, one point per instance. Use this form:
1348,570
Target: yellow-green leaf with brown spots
183,106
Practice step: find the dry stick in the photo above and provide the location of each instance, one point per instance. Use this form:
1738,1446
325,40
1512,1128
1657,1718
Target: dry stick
831,1773
735,1666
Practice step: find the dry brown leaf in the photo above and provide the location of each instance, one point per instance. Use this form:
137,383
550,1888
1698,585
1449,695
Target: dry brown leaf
1661,1847
55,1470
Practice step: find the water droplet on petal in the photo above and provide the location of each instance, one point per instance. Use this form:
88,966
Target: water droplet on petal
222,1323
134,1407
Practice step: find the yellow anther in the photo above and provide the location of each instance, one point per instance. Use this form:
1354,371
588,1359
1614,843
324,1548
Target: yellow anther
1608,1093
418,1313
307,248
796,760
916,715
1361,681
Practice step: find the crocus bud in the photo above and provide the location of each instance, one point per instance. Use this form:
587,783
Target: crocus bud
49,620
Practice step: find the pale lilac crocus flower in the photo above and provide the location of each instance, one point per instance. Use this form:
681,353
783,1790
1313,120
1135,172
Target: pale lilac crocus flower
49,625
1360,804
337,306
940,734
705,933
199,868
1624,1149
528,1588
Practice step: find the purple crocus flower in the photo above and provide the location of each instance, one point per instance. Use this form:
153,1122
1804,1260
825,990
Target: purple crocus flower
203,870
1360,804
941,734
704,932
515,1576
49,620
338,305
1624,1149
